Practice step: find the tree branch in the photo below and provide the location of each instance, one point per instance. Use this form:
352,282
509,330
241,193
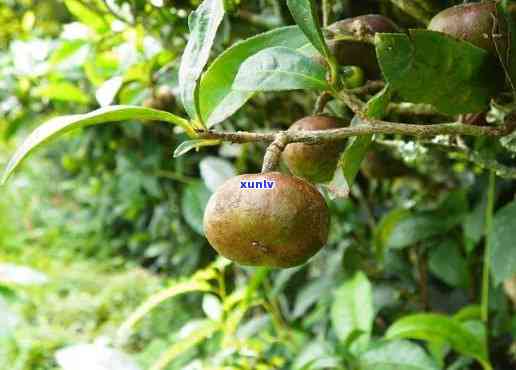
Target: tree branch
273,153
372,126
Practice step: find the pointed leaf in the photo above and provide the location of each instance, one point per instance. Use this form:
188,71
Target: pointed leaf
193,202
501,239
203,24
438,328
188,145
215,171
217,100
278,69
61,125
353,310
86,15
397,355
305,15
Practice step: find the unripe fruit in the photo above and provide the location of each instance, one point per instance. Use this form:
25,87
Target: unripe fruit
314,162
282,226
473,23
358,53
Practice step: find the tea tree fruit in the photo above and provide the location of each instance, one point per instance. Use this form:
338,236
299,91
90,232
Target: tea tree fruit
314,162
279,226
474,23
355,52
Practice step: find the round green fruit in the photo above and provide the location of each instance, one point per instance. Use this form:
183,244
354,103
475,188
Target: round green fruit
314,162
474,23
359,53
282,226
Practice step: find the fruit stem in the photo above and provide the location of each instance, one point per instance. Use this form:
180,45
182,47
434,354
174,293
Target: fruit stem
273,152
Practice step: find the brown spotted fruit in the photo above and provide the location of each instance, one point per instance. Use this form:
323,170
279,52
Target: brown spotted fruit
344,41
268,219
475,23
313,162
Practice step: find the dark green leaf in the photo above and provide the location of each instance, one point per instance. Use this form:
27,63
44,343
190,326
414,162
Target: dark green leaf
431,67
503,252
203,24
61,125
358,146
474,225
278,69
438,328
305,15
310,294
447,263
397,355
188,145
217,100
352,309
193,203
400,229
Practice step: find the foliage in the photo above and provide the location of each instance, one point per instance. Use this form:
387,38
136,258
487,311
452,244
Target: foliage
417,265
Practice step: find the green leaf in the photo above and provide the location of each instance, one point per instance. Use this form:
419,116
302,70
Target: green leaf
215,171
474,225
188,145
400,228
85,14
193,202
204,329
352,310
448,264
358,146
431,67
469,313
66,50
217,99
501,239
203,24
63,91
396,355
61,125
154,300
278,69
304,13
438,328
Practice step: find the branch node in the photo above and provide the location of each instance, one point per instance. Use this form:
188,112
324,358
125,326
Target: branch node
273,152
